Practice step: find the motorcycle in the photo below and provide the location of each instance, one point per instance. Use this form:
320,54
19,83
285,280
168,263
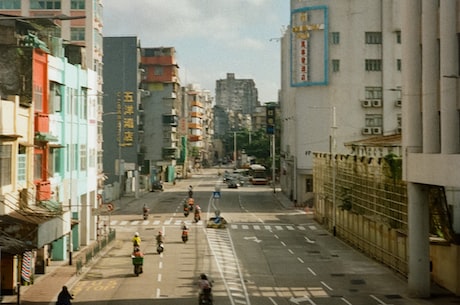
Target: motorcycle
184,236
205,298
197,216
145,213
186,212
138,261
160,248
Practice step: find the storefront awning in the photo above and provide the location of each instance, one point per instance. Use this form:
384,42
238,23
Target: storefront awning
26,231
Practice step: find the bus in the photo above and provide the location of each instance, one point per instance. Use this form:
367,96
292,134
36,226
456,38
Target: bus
258,174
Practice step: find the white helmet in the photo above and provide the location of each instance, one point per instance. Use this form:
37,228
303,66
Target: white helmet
136,234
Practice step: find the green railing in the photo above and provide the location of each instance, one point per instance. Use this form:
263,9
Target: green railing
87,255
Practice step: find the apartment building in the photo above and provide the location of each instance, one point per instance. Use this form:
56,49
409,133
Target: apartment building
161,105
238,99
48,156
200,129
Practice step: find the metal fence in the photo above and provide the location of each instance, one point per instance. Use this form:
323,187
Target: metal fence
90,252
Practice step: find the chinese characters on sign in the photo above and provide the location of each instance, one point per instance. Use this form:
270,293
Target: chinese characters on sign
126,125
309,46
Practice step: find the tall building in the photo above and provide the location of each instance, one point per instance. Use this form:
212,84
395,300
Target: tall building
200,128
123,115
239,99
161,105
335,85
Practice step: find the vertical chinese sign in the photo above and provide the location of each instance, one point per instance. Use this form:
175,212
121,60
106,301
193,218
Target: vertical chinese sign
126,120
309,46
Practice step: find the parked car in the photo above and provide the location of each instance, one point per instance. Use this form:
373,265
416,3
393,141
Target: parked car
157,185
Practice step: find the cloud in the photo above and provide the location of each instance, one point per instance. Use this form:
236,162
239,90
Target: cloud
211,37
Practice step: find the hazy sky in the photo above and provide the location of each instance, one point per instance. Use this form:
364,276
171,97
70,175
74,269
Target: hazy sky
211,37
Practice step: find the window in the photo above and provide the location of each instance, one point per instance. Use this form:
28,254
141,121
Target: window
77,4
373,93
309,184
10,4
157,70
45,4
373,65
77,34
398,64
54,165
373,120
5,164
55,98
38,156
83,157
22,165
398,37
373,37
335,37
335,65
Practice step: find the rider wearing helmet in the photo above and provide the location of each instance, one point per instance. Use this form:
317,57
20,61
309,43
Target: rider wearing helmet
160,237
136,240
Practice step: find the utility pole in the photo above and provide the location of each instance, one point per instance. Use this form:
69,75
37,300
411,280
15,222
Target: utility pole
334,168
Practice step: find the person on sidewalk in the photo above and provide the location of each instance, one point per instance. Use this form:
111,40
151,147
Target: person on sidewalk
64,297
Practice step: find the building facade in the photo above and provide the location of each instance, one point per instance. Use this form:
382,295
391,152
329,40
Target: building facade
431,137
335,87
161,103
48,150
238,98
123,116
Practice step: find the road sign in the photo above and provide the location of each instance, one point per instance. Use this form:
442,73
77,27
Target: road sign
215,195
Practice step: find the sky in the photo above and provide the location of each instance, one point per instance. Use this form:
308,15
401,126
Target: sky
211,37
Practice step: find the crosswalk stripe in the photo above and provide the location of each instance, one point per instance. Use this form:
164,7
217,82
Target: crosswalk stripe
256,227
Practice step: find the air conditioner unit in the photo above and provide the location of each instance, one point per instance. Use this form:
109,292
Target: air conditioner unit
376,130
366,130
398,103
366,103
377,103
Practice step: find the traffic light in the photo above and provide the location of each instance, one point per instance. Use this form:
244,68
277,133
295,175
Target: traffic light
270,119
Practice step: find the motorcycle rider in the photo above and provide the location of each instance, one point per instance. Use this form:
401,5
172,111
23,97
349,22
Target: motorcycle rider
138,253
184,232
160,238
197,214
145,211
136,240
64,297
204,285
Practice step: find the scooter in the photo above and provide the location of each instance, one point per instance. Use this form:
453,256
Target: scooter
205,297
184,235
186,212
160,248
197,216
145,213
